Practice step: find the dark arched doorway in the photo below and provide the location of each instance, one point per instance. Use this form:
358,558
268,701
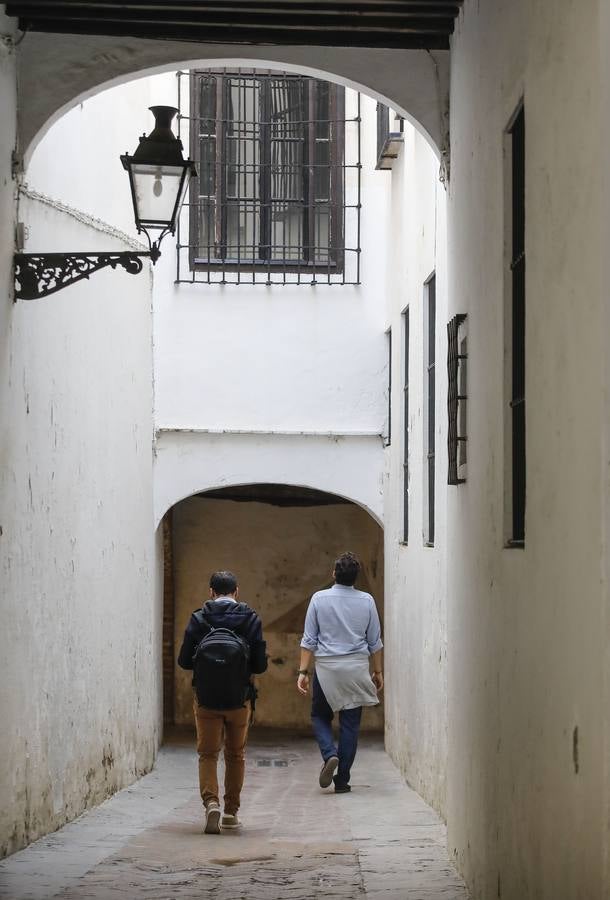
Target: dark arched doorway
280,540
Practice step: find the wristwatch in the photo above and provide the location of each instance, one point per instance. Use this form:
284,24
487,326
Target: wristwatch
303,672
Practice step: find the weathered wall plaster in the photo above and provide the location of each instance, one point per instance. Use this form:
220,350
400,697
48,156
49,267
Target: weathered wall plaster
88,141
281,555
280,385
527,636
56,71
527,639
293,358
604,83
80,642
416,693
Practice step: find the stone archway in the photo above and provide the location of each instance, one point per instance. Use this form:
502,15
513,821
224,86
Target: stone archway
56,73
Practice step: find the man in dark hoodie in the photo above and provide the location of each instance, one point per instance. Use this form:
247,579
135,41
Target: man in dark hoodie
229,725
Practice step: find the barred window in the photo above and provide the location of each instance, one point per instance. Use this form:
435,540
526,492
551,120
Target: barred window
405,446
271,185
430,408
457,398
517,475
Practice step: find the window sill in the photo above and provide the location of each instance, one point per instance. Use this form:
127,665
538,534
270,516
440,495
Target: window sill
276,267
390,151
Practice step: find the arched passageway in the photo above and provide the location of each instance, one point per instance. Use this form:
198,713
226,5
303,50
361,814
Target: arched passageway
281,541
500,646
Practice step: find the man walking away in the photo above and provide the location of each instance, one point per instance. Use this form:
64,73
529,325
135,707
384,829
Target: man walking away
342,633
223,645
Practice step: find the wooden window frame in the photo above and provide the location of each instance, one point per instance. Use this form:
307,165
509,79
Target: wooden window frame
430,407
515,469
457,398
336,255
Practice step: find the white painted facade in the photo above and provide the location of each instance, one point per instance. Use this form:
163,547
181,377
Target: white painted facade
80,642
287,383
527,630
250,385
416,588
497,659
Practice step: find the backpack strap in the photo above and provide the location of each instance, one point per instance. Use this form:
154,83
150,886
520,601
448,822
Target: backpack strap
201,620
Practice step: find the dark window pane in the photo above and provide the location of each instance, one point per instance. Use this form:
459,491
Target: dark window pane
266,157
431,406
207,105
405,486
518,328
322,110
322,171
322,232
206,228
207,166
242,230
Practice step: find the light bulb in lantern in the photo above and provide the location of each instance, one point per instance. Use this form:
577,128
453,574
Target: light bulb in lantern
158,185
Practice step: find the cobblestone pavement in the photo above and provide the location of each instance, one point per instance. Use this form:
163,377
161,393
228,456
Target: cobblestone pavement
381,842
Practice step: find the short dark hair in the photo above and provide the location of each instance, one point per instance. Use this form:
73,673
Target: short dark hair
347,567
223,583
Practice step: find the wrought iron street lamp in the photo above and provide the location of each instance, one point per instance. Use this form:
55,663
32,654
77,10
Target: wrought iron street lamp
159,177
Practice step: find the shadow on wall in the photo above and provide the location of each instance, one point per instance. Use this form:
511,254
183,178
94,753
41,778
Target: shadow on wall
281,543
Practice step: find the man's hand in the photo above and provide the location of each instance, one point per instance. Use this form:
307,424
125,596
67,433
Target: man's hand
303,684
378,680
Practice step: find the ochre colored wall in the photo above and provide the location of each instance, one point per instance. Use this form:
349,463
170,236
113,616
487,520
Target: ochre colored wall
281,555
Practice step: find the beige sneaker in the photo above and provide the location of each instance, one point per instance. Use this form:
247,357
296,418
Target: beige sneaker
229,821
212,818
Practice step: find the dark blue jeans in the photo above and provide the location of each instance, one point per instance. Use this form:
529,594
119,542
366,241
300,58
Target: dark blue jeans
349,726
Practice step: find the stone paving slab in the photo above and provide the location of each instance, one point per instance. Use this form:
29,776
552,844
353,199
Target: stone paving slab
381,842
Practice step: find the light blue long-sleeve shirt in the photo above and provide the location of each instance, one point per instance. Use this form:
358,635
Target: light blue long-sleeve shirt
341,620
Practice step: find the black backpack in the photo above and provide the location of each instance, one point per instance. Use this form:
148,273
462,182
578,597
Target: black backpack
221,669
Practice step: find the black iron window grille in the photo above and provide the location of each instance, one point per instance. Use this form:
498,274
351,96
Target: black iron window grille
390,136
405,458
430,405
277,197
517,267
457,360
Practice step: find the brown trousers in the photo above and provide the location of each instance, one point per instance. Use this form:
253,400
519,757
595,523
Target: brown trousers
215,727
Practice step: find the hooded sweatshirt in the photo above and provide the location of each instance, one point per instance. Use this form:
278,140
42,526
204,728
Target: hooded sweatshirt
225,613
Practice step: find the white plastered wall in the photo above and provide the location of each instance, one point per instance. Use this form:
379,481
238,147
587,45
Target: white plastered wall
80,642
416,652
282,384
528,712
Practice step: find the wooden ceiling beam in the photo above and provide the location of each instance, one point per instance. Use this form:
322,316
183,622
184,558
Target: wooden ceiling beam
260,22
360,23
62,11
297,36
199,5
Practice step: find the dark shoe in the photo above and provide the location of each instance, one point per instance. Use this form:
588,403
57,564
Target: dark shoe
342,789
327,771
212,818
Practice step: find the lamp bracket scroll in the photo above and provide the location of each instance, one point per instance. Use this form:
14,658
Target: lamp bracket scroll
38,275
159,177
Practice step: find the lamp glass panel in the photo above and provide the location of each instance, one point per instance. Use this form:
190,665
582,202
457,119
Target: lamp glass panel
156,189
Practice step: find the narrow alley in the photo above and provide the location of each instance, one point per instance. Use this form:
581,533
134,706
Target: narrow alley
283,282
380,842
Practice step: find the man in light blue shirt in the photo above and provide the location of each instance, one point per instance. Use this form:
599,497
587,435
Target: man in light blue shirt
342,633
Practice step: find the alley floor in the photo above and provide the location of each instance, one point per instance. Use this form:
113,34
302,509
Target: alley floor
298,842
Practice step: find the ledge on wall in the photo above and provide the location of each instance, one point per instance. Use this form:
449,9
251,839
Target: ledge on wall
388,142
